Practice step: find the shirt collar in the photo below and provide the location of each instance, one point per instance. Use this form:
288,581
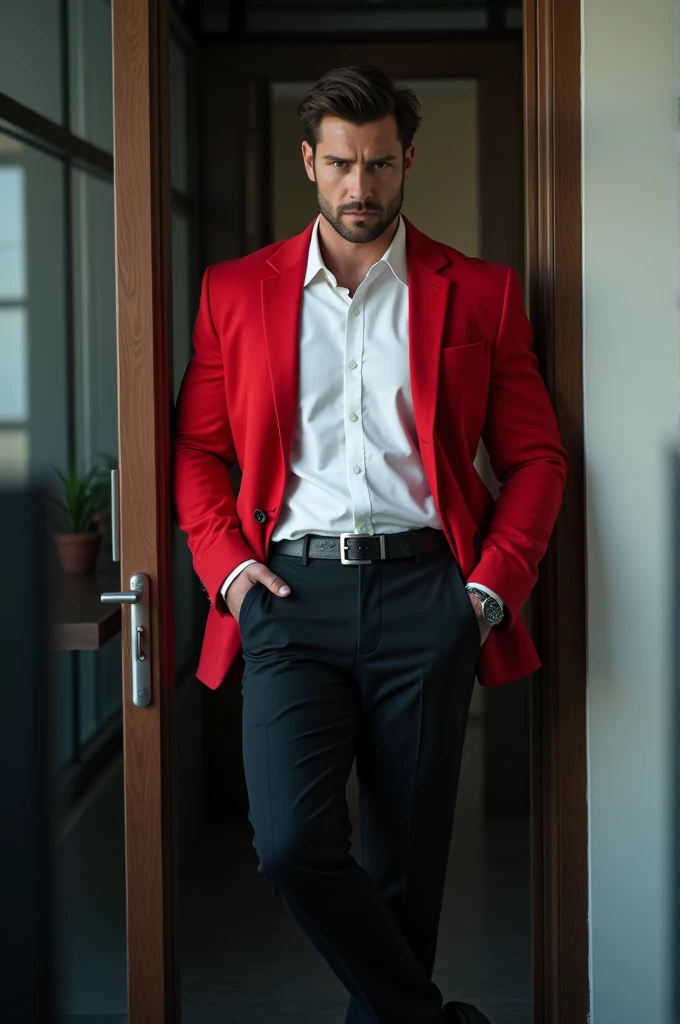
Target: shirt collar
395,257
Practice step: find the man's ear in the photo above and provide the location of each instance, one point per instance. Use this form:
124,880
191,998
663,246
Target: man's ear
308,160
408,160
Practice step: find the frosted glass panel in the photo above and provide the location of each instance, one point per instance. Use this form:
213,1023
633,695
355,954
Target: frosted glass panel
14,456
95,319
30,55
33,292
12,232
90,71
13,366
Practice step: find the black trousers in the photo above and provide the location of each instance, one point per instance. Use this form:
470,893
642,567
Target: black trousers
375,662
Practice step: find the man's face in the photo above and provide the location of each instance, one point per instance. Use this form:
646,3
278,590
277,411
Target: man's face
359,172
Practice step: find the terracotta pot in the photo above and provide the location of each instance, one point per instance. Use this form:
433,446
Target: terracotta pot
78,551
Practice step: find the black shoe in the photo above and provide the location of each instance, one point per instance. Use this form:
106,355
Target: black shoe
465,1013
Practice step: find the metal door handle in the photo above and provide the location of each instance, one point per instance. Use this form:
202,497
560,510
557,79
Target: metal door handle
126,597
138,597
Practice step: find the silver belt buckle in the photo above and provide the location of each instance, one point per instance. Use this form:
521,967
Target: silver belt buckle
360,561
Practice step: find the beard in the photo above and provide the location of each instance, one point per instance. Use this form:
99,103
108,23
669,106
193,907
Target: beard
357,230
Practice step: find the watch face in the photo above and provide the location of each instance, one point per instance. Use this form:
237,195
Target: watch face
492,611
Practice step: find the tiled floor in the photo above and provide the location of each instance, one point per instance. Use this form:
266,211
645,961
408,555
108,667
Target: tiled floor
245,961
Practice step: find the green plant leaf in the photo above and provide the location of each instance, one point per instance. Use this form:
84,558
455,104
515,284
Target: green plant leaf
82,497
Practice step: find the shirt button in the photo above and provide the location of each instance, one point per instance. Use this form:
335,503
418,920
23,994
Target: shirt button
353,365
356,311
357,469
353,416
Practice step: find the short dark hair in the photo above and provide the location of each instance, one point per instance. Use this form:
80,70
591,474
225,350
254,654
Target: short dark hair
359,94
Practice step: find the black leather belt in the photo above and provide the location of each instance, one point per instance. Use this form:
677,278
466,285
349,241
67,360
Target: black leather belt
364,548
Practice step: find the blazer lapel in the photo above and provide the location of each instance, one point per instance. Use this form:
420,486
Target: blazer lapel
281,305
428,299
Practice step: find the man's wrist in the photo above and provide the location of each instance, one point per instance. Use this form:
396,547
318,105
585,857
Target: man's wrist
471,585
488,606
232,576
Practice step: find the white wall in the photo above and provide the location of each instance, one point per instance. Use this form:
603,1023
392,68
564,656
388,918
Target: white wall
631,235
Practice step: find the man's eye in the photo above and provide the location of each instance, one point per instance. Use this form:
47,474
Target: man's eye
338,162
380,163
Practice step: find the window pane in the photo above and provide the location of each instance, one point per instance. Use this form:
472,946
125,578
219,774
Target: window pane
91,71
96,404
33,340
30,55
12,221
96,392
13,366
99,687
14,456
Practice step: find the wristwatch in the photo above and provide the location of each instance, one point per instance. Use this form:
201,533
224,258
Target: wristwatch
492,613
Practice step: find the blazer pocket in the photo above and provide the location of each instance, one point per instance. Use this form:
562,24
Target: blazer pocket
463,353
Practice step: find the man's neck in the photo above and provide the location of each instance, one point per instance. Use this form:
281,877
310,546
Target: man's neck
349,262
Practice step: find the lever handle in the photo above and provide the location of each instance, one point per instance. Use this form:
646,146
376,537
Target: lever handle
141,624
126,597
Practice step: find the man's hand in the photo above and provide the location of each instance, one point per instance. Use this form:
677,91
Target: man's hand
484,627
253,575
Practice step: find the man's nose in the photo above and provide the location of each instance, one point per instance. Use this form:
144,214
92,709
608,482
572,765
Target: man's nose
359,186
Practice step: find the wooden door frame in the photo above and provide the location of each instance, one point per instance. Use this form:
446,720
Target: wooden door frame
552,110
143,203
559,861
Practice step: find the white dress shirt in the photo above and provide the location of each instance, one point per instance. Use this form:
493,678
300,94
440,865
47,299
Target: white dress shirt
355,464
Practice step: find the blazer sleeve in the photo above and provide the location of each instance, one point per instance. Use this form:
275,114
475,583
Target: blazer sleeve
523,440
202,452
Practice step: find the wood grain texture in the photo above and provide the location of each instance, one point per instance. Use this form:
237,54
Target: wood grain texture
552,51
143,223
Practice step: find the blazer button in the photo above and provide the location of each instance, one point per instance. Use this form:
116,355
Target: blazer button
260,515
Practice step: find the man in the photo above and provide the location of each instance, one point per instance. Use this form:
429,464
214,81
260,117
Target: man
363,567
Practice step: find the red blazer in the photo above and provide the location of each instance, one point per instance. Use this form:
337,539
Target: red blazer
473,374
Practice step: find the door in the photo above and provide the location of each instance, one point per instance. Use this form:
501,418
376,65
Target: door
143,223
143,194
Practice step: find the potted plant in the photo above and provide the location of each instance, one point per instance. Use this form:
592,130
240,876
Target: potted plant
81,499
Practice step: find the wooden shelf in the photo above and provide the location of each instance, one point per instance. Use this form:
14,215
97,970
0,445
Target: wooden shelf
81,622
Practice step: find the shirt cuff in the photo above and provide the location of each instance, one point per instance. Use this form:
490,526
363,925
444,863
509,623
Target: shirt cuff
487,590
232,576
